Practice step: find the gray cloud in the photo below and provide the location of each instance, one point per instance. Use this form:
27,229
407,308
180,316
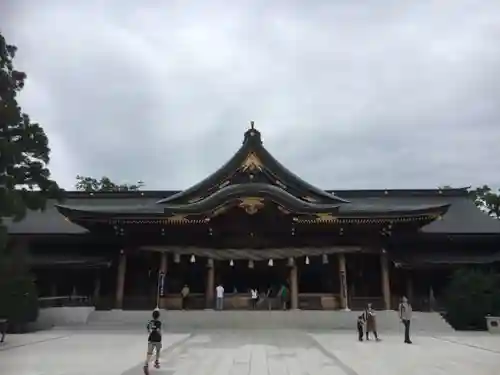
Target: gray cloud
381,95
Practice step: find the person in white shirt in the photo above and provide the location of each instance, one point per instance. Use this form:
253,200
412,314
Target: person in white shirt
219,297
405,312
254,296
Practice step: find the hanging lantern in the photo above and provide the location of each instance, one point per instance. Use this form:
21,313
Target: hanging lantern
270,263
177,258
250,263
210,262
193,259
307,260
325,259
291,262
231,263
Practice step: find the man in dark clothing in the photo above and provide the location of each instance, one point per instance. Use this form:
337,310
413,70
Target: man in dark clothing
154,341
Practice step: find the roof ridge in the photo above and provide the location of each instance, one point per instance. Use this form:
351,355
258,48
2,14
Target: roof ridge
464,191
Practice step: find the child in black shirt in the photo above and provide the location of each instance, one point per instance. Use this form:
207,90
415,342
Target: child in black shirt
361,326
154,341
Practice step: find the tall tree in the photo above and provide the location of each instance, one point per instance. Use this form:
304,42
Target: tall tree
487,199
90,184
24,181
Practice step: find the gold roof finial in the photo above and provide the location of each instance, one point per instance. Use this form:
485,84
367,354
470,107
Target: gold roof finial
252,125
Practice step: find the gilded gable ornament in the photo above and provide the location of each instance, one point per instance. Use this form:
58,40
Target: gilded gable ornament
251,205
251,163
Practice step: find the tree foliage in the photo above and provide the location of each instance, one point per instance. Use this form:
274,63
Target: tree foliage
18,291
25,183
470,296
487,199
91,184
24,147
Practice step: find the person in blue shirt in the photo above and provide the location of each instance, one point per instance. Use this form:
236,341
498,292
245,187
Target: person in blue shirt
154,341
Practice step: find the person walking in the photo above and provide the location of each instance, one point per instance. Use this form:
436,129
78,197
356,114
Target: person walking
154,341
254,295
360,326
219,297
405,312
184,297
283,296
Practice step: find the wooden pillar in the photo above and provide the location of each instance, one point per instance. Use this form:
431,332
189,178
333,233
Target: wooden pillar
120,280
409,286
53,289
343,282
210,286
386,285
163,269
97,288
432,299
294,288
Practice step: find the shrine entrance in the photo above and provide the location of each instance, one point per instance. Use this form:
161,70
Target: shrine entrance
242,275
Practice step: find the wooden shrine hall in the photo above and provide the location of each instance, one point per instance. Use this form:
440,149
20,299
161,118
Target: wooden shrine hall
255,224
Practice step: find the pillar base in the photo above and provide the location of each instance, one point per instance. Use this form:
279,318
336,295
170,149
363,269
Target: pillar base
346,309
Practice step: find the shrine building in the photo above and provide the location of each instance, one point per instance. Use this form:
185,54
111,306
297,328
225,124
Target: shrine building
255,224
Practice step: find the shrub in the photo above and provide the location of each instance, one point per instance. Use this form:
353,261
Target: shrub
471,295
18,294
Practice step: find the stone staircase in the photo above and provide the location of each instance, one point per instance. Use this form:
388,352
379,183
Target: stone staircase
430,322
174,320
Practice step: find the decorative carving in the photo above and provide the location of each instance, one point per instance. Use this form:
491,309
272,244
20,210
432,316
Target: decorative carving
251,204
177,219
325,218
251,163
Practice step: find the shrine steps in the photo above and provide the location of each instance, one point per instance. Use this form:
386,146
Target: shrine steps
175,320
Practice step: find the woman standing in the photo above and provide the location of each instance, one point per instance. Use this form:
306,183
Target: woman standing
371,322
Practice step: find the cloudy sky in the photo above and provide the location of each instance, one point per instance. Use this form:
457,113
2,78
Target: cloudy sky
347,94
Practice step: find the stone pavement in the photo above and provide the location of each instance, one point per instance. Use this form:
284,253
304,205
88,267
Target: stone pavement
248,352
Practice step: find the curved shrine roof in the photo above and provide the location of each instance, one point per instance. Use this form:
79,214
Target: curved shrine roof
250,164
253,175
462,217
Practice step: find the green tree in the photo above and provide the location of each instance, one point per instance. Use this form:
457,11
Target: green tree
487,199
471,295
25,184
17,290
90,184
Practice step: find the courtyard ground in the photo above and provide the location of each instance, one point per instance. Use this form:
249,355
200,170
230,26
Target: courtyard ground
249,352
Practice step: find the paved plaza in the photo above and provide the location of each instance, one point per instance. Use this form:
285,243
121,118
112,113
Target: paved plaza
248,352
